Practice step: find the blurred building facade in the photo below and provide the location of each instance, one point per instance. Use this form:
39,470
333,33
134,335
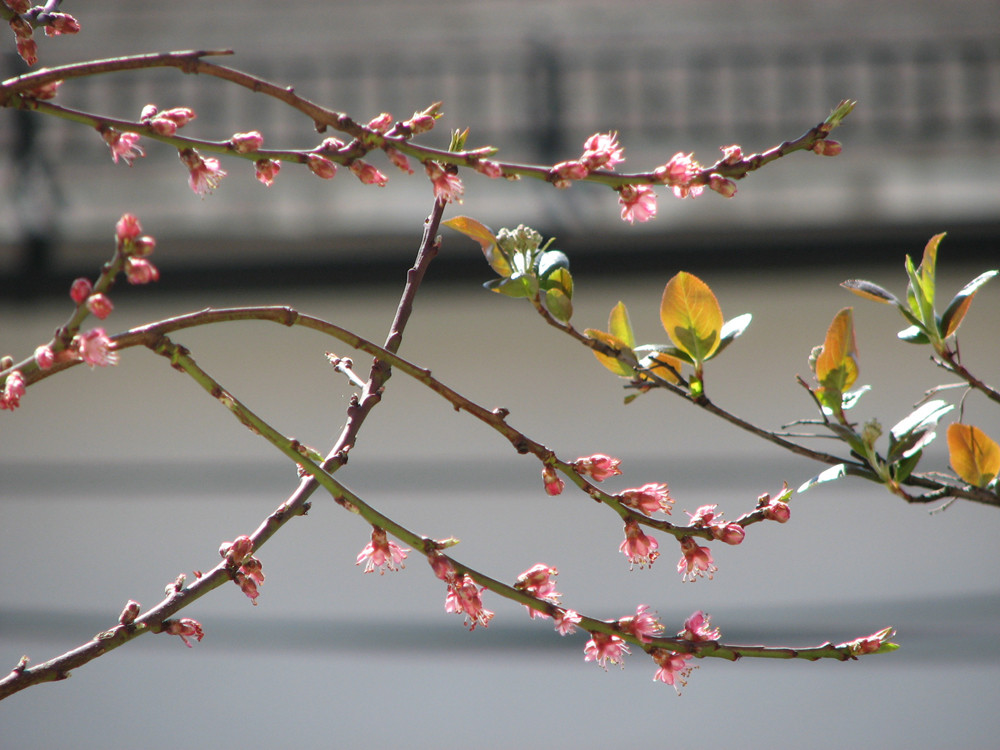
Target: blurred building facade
534,79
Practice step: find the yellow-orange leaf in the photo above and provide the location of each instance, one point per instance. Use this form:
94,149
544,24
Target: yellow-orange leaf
484,236
837,364
974,455
691,316
616,366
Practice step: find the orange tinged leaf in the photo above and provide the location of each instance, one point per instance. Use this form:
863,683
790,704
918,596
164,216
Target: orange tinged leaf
837,364
615,365
974,456
691,315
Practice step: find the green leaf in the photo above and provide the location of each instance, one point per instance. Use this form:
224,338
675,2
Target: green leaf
620,326
650,350
913,335
927,415
560,280
829,475
871,291
484,236
959,306
691,316
458,138
550,261
516,286
559,304
732,330
851,398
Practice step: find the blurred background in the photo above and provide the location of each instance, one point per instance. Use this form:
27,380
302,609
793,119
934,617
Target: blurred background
113,482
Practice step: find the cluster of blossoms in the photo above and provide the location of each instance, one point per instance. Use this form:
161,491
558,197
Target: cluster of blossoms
463,596
380,553
55,24
248,573
706,517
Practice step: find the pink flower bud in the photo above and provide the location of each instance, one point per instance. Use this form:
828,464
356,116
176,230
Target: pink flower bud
569,170
180,116
827,148
99,305
148,112
442,567
18,6
80,290
421,122
267,170
27,49
44,92
730,533
131,611
777,511
732,154
724,187
61,23
553,483
127,228
399,160
140,271
321,166
598,466
246,143
163,126
489,168
368,174
381,123
237,550
44,357
13,390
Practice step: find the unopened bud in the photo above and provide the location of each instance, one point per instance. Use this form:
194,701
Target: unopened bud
131,611
827,148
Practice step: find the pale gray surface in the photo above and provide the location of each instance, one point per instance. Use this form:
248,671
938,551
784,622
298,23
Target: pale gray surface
97,508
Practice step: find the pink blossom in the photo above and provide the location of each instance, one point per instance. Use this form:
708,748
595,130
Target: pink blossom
489,168
124,146
637,547
140,271
13,390
553,482
95,348
602,151
448,187
381,553
184,627
236,551
643,624
368,174
599,467
127,229
827,148
704,516
695,561
698,628
603,647
775,509
267,170
247,143
465,596
80,289
321,166
99,305
648,499
205,173
638,203
44,357
249,576
399,160
539,581
566,621
673,668
679,171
